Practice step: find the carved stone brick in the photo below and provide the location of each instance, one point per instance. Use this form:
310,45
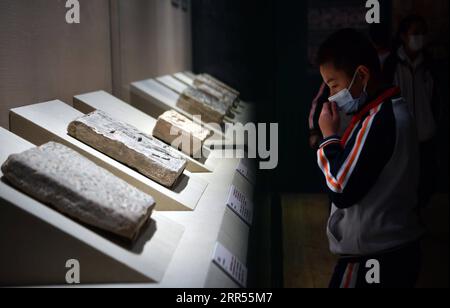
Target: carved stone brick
208,107
65,180
208,79
172,126
129,146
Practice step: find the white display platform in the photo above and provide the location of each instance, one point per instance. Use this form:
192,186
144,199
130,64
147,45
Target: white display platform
48,121
212,222
173,84
185,78
154,99
101,100
189,74
37,241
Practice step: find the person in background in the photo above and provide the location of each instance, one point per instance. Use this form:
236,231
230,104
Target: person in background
411,68
315,135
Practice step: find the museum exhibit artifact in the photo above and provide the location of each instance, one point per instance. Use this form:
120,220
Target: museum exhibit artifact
128,145
172,127
199,103
73,185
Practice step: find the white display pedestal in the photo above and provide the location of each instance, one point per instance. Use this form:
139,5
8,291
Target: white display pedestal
183,77
212,222
173,84
48,121
37,241
122,111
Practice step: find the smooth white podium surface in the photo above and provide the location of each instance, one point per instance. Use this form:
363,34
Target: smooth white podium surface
212,222
184,78
173,84
48,121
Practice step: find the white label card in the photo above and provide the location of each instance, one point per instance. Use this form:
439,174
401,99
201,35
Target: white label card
245,171
230,265
241,205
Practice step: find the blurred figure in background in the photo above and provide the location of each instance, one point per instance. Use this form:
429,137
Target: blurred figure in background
382,41
411,68
315,135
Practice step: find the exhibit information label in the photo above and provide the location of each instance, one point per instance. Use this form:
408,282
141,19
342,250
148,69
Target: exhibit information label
241,205
245,171
230,264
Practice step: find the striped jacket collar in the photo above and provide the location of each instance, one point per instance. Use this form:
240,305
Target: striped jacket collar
387,94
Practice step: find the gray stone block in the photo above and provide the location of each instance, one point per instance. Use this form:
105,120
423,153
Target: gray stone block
190,135
128,145
199,103
70,183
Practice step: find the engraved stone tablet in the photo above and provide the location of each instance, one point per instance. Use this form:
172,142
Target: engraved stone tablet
218,93
172,126
129,146
76,187
208,79
197,102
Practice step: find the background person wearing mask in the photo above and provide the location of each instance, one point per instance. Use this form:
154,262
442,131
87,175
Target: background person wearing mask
410,68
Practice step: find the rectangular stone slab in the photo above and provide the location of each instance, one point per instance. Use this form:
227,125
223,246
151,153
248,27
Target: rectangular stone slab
153,98
214,81
228,97
123,111
129,146
67,181
192,135
217,92
197,102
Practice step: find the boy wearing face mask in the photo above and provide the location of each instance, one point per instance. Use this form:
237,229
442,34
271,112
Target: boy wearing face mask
410,68
371,172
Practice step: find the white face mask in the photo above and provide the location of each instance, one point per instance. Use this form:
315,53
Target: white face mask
345,100
416,42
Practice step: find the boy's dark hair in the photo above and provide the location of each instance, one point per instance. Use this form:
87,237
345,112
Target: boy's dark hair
346,50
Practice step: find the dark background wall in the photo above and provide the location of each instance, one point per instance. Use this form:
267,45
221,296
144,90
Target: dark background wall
259,47
232,40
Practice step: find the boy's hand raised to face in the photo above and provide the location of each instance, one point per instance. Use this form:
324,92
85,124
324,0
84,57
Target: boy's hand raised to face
330,120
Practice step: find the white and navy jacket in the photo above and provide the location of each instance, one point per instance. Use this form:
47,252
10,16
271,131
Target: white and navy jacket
372,178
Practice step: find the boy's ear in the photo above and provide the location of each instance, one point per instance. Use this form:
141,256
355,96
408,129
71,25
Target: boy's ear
364,74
